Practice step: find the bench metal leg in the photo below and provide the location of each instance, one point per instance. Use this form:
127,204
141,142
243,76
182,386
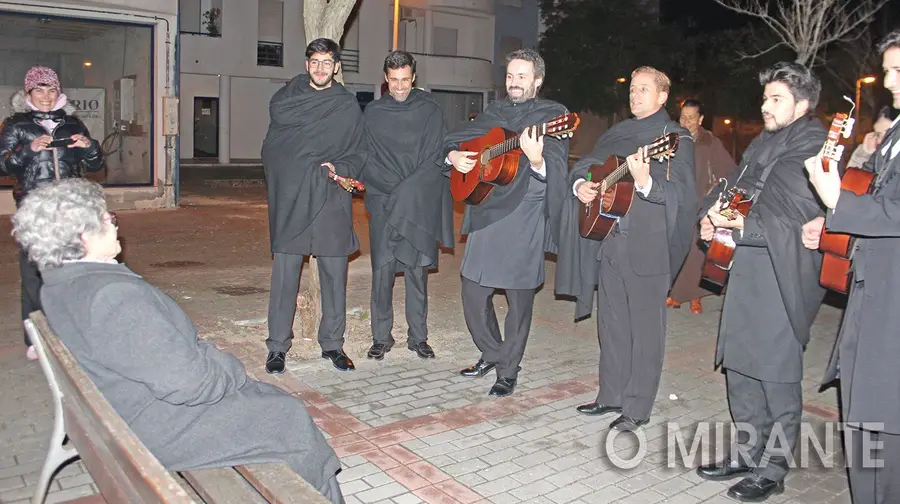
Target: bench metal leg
58,454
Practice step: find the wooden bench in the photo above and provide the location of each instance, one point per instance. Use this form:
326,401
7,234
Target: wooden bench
121,466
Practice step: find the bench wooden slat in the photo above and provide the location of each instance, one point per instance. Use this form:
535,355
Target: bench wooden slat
279,484
99,433
187,486
222,486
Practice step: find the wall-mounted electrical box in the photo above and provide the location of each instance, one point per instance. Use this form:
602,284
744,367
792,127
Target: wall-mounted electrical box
123,106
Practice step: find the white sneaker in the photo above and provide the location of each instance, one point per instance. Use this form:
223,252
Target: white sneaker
31,354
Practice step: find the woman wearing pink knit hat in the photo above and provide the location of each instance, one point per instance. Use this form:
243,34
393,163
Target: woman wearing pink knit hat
42,142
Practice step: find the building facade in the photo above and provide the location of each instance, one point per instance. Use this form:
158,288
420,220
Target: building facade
235,54
117,65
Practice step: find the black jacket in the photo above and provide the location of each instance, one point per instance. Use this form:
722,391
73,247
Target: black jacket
32,169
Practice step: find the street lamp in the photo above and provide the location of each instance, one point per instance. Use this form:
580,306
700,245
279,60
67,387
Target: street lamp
859,82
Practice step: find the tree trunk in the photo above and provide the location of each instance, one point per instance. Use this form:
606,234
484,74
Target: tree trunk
321,18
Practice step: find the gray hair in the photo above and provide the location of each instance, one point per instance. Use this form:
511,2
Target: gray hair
51,219
531,56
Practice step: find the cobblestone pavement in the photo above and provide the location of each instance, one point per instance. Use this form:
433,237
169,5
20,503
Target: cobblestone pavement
410,430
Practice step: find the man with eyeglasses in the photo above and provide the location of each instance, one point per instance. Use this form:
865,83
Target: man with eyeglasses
408,200
316,127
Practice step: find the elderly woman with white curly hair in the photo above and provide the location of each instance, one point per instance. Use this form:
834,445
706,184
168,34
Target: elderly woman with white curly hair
191,404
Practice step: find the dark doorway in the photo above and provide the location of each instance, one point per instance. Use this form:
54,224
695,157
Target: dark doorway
206,127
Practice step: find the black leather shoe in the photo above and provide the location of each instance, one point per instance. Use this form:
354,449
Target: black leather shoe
755,488
339,359
480,369
275,363
628,424
726,469
595,409
422,349
503,387
377,351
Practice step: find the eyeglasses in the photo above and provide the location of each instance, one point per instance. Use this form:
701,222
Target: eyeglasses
111,218
325,64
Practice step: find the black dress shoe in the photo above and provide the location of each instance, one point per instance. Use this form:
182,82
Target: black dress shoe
422,349
339,359
377,351
723,470
755,488
275,363
595,409
503,387
480,369
628,424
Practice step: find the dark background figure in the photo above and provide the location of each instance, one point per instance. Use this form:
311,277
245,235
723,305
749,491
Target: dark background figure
513,227
316,126
408,199
711,162
773,291
42,115
633,267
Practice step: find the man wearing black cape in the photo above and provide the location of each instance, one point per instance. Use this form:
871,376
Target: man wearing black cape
513,227
867,350
773,290
316,127
408,199
634,267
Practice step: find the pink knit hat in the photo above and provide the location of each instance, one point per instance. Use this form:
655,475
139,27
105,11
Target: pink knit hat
41,76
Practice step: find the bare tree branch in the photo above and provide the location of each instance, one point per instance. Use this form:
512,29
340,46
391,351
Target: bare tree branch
808,26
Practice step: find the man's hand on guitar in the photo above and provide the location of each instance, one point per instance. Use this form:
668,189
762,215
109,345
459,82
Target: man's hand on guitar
827,185
811,233
734,221
587,191
532,145
640,169
463,161
707,230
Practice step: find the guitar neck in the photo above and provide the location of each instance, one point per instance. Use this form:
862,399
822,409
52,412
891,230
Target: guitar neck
620,171
511,144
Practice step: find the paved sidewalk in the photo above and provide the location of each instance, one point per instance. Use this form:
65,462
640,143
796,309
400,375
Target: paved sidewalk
410,430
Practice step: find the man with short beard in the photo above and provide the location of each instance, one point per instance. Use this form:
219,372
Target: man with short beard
773,289
632,268
316,127
512,228
408,200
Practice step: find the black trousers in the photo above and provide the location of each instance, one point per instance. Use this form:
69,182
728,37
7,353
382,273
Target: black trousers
283,301
767,409
416,280
31,288
478,308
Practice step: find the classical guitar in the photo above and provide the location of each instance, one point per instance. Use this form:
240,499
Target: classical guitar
718,260
597,219
497,161
836,247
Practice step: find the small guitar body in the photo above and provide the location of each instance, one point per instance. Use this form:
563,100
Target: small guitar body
837,247
497,158
595,222
720,255
473,187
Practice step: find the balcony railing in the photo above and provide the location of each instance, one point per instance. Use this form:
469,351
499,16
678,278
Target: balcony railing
270,54
350,60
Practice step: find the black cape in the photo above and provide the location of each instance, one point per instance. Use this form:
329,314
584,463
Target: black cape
307,128
406,190
503,200
785,203
577,268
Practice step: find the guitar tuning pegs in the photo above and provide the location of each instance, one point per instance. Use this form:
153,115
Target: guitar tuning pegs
847,128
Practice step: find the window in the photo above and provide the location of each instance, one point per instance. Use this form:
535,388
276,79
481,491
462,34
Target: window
510,44
190,16
269,46
444,41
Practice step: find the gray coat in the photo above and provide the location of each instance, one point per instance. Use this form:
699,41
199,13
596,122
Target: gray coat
191,404
868,347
